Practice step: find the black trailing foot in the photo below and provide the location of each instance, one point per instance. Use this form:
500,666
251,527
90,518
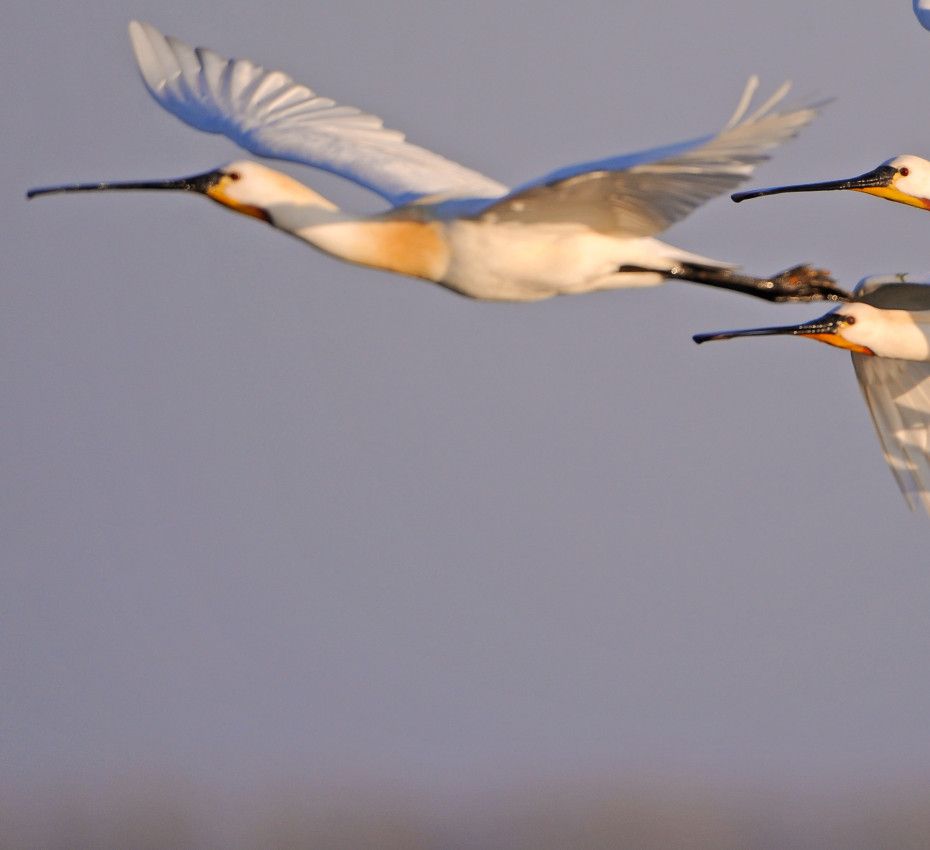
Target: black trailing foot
805,283
801,283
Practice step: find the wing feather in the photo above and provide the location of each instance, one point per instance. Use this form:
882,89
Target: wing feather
269,114
897,393
642,194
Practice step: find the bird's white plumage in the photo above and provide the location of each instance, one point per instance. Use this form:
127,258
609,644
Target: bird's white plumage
897,393
644,193
269,114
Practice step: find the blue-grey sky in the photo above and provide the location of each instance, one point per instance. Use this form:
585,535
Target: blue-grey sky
267,514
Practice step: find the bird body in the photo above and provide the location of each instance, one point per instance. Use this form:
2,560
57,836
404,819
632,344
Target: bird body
886,327
518,262
510,261
581,228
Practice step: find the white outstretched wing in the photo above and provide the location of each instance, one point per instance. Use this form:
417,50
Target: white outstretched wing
269,114
642,194
898,395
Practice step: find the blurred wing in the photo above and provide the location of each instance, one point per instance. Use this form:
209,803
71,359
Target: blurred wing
898,395
894,292
642,194
922,10
269,114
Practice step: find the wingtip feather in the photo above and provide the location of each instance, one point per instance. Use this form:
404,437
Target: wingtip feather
745,99
149,47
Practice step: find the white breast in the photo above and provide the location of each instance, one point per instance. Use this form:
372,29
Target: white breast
526,262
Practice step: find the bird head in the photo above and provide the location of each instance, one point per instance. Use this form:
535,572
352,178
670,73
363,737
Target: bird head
256,190
847,327
243,186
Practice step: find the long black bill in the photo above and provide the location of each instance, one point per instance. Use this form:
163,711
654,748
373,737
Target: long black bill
196,183
825,325
878,177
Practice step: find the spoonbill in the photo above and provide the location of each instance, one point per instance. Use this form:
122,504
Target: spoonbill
904,179
886,327
581,228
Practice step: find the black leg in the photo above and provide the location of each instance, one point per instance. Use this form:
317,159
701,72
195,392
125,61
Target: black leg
801,283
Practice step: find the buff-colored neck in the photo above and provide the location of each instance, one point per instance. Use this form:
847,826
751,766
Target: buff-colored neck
401,240
389,242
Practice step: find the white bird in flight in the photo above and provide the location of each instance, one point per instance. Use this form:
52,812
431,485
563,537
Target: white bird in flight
581,228
886,326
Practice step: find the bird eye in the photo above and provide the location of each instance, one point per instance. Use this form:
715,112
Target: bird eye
849,320
234,175
904,171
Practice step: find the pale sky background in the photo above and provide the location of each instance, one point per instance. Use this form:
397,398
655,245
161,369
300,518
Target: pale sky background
266,514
